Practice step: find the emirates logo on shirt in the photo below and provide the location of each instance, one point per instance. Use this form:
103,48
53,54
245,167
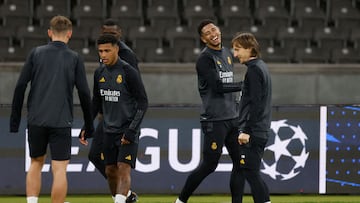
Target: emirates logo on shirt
110,95
226,77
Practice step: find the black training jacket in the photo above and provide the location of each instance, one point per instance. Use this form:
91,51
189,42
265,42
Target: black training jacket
216,85
53,71
120,95
255,104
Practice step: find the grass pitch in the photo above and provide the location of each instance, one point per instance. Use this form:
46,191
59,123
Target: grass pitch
195,199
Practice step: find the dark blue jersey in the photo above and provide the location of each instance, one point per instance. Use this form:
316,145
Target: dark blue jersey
120,94
126,54
255,105
216,85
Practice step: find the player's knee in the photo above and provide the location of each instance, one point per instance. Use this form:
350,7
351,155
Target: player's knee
210,166
111,171
236,168
210,162
38,160
92,157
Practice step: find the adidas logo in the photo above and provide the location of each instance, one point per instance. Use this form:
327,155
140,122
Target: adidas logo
128,157
102,79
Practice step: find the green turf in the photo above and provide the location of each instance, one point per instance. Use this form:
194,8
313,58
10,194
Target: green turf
196,199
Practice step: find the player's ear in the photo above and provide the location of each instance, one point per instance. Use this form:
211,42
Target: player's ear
69,34
49,33
203,39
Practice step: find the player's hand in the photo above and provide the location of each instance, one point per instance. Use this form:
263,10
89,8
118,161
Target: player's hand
14,128
82,138
243,138
124,140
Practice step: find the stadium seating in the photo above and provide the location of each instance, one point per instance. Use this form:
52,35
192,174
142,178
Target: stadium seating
181,36
277,55
15,13
228,33
273,15
142,38
89,13
160,55
197,10
345,16
88,54
128,13
308,14
163,16
13,53
355,37
6,37
190,54
329,38
236,15
294,37
312,55
171,25
265,34
345,55
31,36
240,3
48,8
80,37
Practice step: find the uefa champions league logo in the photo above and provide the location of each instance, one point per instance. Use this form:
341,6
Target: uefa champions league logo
285,155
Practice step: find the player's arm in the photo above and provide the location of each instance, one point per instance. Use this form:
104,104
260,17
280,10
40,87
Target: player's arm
96,100
251,105
95,107
137,89
256,91
19,93
84,96
230,87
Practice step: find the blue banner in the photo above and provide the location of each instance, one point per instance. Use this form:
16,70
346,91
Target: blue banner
171,145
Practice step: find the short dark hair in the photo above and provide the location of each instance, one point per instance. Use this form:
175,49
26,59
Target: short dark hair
110,22
107,38
204,23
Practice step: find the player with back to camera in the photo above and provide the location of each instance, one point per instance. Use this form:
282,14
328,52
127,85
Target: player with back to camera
53,71
120,96
219,116
96,155
255,117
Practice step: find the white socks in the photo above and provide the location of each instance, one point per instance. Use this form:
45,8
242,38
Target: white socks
32,199
120,198
128,194
178,201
